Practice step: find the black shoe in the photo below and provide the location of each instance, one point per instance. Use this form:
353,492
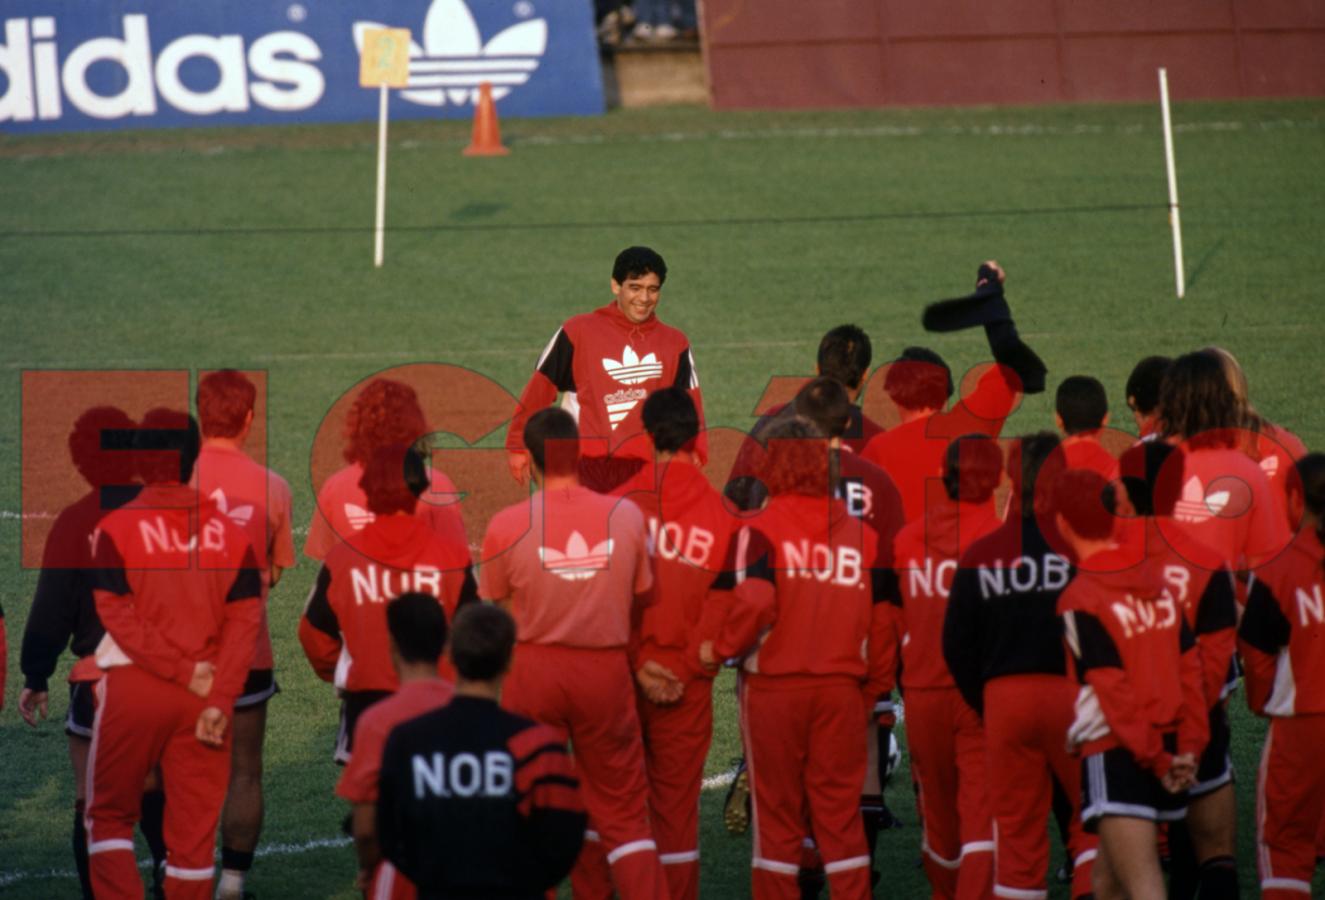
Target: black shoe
736,809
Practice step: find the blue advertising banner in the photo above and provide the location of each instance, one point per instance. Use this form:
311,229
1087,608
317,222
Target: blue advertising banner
98,64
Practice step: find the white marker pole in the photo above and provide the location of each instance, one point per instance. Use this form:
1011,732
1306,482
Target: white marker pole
1174,221
379,233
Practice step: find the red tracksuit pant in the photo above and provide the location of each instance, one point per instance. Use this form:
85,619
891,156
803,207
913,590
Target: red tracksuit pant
1290,806
947,747
390,884
1026,721
805,751
676,744
143,722
590,695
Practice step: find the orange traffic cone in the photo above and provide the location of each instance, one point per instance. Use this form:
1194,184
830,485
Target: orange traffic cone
487,134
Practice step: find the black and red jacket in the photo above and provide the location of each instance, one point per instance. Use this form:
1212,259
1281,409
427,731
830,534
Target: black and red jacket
1282,635
1135,657
611,365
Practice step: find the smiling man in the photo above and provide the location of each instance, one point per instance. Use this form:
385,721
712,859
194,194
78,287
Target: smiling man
604,364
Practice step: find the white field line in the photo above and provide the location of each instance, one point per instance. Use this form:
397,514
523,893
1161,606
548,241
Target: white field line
11,878
1020,129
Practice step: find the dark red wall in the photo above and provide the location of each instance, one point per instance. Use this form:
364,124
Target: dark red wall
813,53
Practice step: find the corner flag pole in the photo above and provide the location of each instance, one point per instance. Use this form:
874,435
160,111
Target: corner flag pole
383,64
1174,221
379,231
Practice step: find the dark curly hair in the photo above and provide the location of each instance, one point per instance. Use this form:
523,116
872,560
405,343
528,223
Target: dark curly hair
386,412
99,464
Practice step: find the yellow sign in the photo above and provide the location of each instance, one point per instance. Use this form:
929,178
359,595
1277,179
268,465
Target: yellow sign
384,60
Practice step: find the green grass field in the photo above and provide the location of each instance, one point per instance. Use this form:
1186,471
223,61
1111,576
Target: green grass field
252,249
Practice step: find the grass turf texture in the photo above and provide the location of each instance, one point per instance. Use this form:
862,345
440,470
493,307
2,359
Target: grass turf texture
251,248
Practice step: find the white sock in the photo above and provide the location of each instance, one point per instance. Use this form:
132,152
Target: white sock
231,885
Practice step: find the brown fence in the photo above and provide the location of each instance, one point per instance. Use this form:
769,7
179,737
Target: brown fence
814,53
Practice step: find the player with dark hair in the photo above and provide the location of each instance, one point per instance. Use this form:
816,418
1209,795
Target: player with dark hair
604,364
688,531
945,735
64,614
344,626
573,567
417,626
385,413
805,568
1201,847
1081,409
1003,644
258,500
1142,392
1281,636
919,384
1227,502
178,592
475,801
1141,722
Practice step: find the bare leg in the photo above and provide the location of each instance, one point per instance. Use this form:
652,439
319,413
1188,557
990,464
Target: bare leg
1130,861
241,817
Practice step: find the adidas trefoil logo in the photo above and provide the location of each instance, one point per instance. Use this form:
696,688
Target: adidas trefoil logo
359,518
1270,466
453,60
580,562
240,515
1195,505
631,369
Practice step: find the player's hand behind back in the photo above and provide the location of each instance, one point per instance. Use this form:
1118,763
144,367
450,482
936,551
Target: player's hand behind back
200,684
211,727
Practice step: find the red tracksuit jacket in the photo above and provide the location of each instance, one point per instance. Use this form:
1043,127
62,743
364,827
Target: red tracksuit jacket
343,629
688,532
611,364
1282,636
925,556
1204,587
1136,659
912,453
809,596
177,583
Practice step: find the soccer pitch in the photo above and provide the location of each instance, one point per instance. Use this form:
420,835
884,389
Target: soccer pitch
252,249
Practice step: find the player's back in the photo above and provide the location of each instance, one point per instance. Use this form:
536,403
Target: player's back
253,496
467,792
342,510
688,530
1285,621
180,559
925,555
571,561
823,568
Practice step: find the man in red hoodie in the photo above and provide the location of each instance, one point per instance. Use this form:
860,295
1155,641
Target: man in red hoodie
604,363
178,592
944,733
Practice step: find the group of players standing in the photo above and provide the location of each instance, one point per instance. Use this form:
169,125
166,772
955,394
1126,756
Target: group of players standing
1060,621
